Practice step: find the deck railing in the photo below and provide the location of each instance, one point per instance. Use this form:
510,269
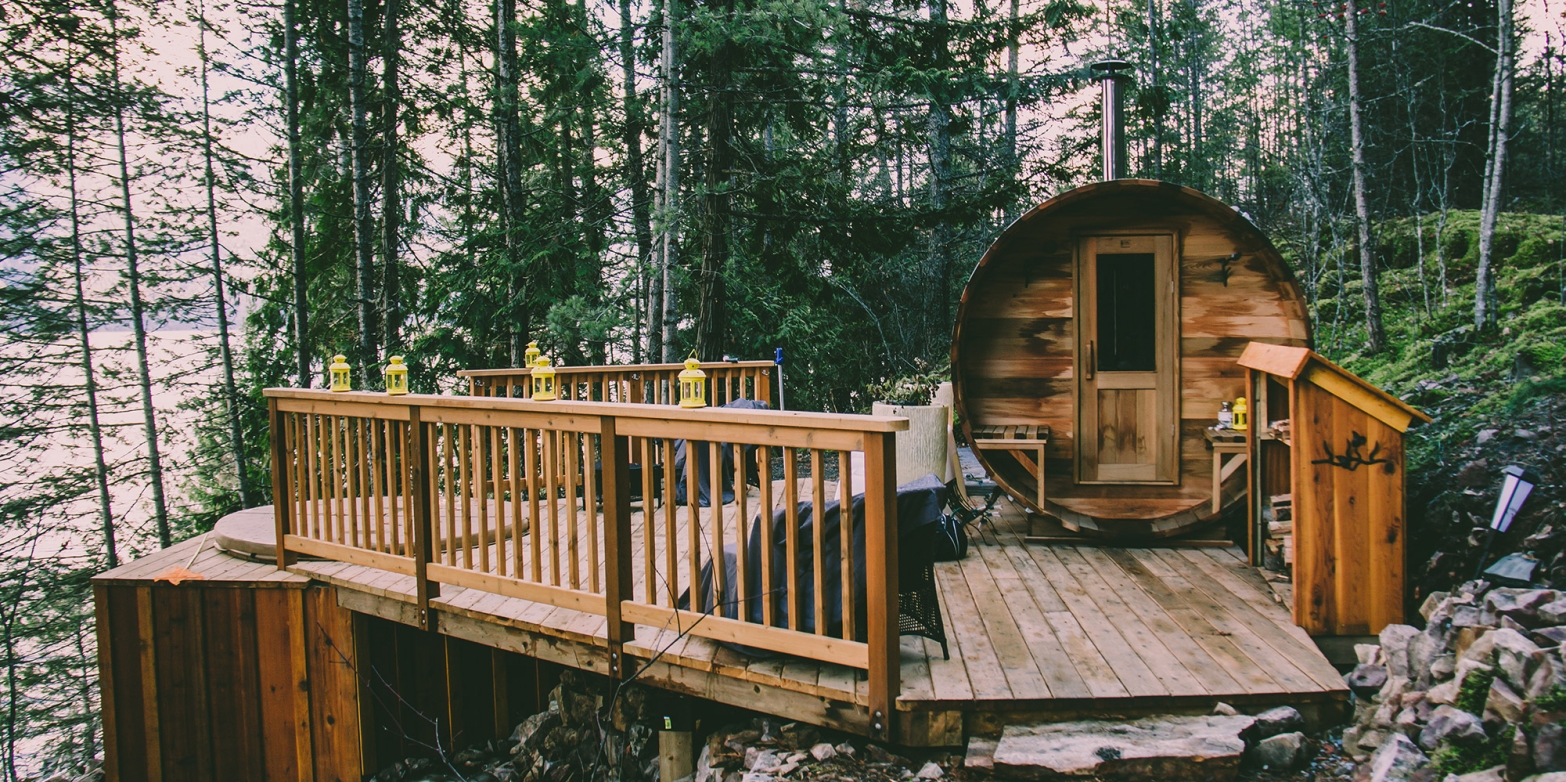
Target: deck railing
534,500
656,384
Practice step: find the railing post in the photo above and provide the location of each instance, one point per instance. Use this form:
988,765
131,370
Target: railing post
618,583
881,580
423,525
282,488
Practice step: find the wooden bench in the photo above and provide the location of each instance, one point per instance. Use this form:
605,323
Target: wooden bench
1017,440
1223,443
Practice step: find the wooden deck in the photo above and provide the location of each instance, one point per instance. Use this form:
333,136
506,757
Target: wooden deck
1034,632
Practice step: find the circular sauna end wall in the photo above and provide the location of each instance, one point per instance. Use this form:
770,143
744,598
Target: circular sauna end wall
1176,283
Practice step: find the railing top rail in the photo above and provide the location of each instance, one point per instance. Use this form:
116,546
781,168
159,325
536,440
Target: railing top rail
612,368
786,419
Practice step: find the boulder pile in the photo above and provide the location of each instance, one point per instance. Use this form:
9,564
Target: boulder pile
765,750
1478,695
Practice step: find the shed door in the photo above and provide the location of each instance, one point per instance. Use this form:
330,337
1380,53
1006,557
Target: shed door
1128,338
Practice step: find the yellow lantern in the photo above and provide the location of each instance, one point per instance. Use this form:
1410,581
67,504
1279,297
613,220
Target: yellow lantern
543,380
340,370
530,356
1242,416
396,377
693,384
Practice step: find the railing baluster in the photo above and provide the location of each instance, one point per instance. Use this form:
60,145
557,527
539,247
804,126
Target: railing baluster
480,495
791,533
742,520
449,490
375,464
764,471
716,556
535,530
464,441
551,468
845,481
818,537
649,539
408,471
571,450
336,439
671,539
693,520
514,462
590,508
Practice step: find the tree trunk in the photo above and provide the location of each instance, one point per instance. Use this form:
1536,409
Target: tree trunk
138,308
296,250
508,128
236,440
939,126
635,165
83,332
1013,85
670,218
1495,168
391,183
363,238
1376,338
715,207
1154,89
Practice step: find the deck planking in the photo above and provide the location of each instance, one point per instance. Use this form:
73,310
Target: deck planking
1030,628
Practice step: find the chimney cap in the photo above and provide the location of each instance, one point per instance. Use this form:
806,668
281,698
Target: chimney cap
1110,68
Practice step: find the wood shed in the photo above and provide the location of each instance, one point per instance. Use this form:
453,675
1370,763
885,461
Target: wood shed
1328,446
1102,329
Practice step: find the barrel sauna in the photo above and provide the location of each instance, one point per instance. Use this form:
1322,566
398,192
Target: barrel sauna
1113,315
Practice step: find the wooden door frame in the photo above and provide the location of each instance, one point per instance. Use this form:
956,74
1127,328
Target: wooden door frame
1169,351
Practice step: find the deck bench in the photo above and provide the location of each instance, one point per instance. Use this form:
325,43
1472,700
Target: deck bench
1018,440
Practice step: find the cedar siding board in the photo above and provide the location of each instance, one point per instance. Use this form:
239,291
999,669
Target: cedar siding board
1015,353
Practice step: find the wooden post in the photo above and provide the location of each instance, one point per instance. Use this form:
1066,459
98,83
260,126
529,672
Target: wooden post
618,583
423,525
881,580
281,491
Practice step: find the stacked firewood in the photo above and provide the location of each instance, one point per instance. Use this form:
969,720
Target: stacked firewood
1279,515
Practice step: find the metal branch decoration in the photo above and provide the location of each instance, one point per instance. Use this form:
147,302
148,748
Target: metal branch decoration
1351,459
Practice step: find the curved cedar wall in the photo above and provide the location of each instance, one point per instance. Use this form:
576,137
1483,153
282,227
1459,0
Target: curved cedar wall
1014,342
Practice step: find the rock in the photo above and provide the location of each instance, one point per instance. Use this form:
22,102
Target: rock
1519,761
1555,776
1394,647
930,770
761,760
1168,748
1280,752
1368,654
1422,650
1407,723
1522,605
1466,668
1396,761
754,776
1442,667
1443,694
1482,650
1504,702
875,753
785,769
1550,636
1497,774
1549,747
1515,656
1351,742
1225,710
1393,690
1366,680
1548,674
823,752
1449,724
1282,719
1432,602
845,749
981,754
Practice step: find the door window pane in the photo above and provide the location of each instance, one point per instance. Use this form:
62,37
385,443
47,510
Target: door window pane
1126,303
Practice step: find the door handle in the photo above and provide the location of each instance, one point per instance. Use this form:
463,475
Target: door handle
1091,360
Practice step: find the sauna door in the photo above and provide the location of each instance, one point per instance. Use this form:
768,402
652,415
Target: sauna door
1127,339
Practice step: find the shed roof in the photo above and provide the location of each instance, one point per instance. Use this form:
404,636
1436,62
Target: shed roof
1295,363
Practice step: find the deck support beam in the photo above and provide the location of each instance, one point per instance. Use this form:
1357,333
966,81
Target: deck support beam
881,582
423,522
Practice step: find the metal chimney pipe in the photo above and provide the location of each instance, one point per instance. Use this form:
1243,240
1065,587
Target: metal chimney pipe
1112,144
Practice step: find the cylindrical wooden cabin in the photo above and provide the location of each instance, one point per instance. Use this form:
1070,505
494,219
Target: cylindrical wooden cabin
1113,315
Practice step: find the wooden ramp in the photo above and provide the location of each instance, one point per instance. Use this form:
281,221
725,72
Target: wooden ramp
1035,632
